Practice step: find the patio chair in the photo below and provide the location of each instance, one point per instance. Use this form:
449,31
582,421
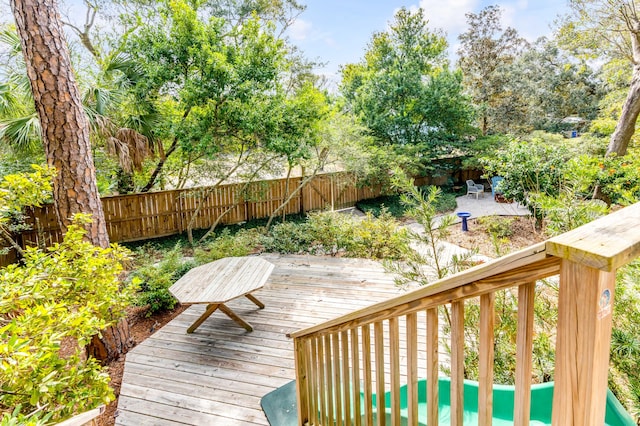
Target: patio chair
474,188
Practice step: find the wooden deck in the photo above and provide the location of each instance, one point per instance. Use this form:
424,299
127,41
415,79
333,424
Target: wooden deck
218,374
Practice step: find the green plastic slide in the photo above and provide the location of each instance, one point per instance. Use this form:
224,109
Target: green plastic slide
503,402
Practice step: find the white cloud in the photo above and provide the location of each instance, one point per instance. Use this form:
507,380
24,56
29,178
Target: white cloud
300,29
448,15
509,15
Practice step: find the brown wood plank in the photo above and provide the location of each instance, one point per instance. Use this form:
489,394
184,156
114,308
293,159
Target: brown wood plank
524,354
394,350
433,367
378,333
606,243
412,374
238,367
585,305
486,358
457,363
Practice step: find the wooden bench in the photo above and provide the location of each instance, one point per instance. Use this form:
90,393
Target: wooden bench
219,282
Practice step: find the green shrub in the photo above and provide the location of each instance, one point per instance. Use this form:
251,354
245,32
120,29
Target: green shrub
155,280
624,377
242,243
497,226
287,237
390,203
446,201
330,232
68,292
378,238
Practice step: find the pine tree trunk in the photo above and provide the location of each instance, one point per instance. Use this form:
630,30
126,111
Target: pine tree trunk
115,341
627,123
65,134
65,129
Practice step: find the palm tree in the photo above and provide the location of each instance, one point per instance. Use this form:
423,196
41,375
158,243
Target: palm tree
120,124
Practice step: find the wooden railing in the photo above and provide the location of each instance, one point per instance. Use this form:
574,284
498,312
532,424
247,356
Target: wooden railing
377,349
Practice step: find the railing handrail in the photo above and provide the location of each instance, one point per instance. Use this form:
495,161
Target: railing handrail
488,274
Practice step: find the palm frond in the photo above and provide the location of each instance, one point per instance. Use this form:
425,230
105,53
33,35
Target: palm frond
130,69
9,103
99,124
9,37
22,133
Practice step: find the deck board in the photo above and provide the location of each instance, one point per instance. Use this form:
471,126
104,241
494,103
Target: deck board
218,374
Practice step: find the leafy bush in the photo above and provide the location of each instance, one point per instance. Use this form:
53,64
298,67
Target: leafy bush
377,238
537,166
68,292
16,192
155,280
446,201
393,205
566,211
496,225
617,177
287,237
624,377
239,244
390,203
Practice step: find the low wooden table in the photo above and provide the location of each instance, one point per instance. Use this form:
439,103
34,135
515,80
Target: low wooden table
219,282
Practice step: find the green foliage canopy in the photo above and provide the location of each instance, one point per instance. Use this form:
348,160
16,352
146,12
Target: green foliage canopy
403,91
66,293
225,87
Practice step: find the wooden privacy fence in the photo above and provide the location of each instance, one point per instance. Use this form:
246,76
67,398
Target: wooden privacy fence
345,366
156,214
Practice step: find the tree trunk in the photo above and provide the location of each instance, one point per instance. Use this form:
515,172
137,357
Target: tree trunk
160,166
115,341
65,129
627,123
65,132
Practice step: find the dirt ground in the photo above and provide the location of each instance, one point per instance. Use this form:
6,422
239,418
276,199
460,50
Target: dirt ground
523,235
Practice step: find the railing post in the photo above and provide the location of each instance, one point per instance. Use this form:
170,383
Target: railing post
590,257
582,350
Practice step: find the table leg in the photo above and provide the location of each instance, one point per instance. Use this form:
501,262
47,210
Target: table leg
258,303
210,309
235,317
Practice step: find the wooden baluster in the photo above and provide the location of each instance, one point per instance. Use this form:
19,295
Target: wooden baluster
412,369
457,362
524,354
355,376
328,365
485,364
378,337
346,379
432,367
336,389
322,382
366,366
394,349
314,395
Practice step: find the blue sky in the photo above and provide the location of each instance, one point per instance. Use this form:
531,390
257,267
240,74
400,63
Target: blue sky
337,31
